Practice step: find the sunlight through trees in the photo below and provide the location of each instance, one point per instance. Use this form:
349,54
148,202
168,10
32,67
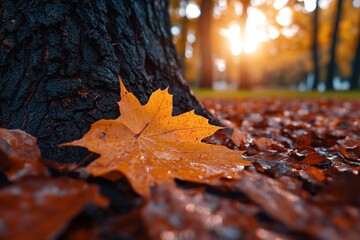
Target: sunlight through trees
273,39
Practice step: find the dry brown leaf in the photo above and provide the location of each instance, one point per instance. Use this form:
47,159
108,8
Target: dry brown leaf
351,153
313,174
343,151
19,154
150,146
239,137
41,207
313,158
266,143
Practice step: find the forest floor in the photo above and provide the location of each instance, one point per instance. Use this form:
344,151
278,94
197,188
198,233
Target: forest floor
276,93
303,184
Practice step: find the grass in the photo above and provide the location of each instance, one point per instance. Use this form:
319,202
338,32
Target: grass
262,93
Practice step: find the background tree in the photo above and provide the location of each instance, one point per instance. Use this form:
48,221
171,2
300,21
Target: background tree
355,76
181,24
244,81
277,32
331,68
315,46
60,62
206,72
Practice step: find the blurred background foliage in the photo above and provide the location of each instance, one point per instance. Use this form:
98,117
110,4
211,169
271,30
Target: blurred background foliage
243,44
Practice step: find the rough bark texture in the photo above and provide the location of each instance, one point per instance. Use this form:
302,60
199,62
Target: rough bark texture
60,61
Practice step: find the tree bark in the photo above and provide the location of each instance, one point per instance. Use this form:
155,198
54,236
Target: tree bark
60,61
355,76
315,47
332,63
206,72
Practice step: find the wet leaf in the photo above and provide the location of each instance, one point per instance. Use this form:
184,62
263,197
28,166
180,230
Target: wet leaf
239,138
173,213
351,153
41,207
343,151
150,146
282,200
313,158
193,210
352,142
313,175
266,143
19,155
344,188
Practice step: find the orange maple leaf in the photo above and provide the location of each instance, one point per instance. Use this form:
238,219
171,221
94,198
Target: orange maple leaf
150,146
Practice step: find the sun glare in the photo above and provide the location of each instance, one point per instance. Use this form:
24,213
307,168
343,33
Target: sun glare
279,4
273,32
251,42
233,34
255,33
258,30
356,3
248,44
284,17
309,5
256,18
192,10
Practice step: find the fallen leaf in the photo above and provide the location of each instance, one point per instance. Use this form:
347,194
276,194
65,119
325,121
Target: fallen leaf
239,137
41,207
173,213
194,210
265,143
313,158
350,142
350,153
344,188
19,154
313,174
343,151
282,201
150,146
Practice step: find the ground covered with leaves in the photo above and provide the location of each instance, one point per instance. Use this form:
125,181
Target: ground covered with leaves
303,183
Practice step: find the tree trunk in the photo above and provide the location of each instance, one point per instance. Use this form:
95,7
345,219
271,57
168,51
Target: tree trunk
206,72
315,47
60,61
355,77
332,63
244,81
